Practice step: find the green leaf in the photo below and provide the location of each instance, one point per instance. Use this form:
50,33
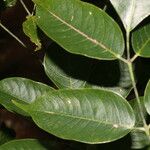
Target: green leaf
10,3
119,90
30,29
139,137
25,144
125,83
85,115
147,97
74,71
141,41
66,70
131,12
135,107
80,28
20,89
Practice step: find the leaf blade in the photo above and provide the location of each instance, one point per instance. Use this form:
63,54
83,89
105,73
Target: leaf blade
67,24
141,41
66,70
20,89
131,12
81,115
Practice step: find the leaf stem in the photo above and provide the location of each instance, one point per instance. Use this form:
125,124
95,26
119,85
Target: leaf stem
25,7
134,57
122,59
15,37
139,129
130,66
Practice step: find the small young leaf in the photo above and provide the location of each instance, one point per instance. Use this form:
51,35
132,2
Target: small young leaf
85,115
132,12
20,89
141,41
25,144
80,28
30,29
147,97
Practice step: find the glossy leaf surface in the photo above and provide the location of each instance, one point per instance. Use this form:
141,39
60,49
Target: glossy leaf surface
20,89
80,28
141,41
85,115
132,12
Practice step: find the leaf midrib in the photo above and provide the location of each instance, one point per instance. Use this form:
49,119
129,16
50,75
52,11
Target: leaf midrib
81,118
94,41
131,15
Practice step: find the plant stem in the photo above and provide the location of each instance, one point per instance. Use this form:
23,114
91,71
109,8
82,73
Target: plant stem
25,7
15,37
137,97
131,71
